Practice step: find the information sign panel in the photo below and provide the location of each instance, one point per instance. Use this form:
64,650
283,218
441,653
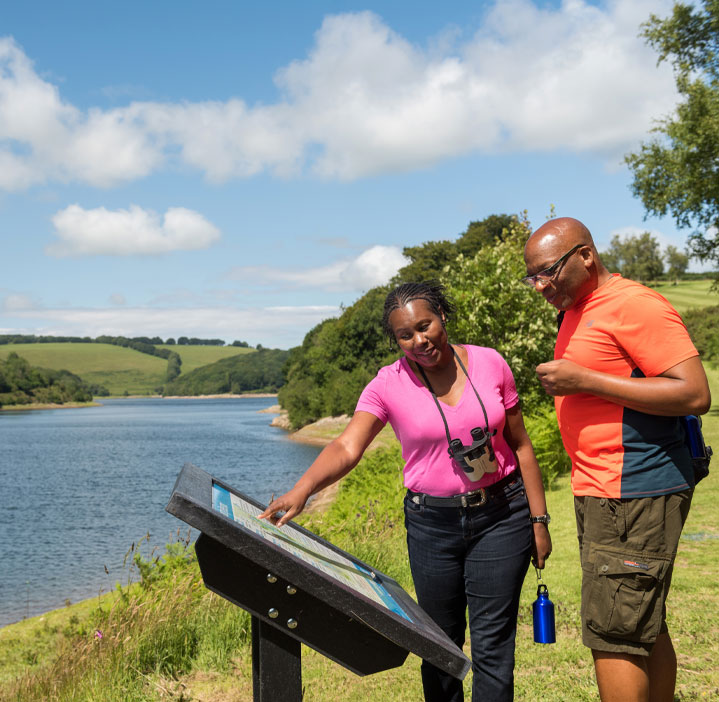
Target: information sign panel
291,579
310,550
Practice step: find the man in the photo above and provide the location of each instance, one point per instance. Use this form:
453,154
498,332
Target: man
624,372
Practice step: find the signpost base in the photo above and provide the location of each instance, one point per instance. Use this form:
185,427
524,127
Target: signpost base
276,665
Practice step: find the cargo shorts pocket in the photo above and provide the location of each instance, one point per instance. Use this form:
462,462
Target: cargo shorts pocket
626,595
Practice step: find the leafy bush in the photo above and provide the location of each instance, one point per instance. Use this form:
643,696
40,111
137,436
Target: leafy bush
703,326
543,430
337,359
495,309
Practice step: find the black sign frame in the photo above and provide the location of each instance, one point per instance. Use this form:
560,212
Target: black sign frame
289,595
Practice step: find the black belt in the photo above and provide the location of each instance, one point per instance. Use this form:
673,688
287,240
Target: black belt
475,498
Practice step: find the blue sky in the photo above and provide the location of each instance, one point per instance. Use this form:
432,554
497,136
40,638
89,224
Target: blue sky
240,170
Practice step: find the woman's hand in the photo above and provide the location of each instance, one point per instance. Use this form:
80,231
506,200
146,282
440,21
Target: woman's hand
336,459
291,503
541,545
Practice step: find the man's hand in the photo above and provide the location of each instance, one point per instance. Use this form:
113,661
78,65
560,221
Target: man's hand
679,390
561,377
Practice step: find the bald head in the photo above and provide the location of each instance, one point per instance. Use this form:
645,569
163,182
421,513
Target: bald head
560,233
578,275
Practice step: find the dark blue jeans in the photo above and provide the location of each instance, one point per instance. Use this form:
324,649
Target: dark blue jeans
475,559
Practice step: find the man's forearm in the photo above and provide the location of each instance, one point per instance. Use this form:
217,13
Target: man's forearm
662,396
682,389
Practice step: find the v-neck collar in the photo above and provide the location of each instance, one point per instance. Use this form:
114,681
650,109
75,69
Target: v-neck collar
418,380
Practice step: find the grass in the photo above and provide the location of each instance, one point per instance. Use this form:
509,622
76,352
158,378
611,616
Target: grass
173,640
197,356
118,369
688,293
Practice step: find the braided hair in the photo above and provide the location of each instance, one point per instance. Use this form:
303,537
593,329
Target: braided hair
431,292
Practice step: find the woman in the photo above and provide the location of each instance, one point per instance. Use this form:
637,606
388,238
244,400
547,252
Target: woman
469,532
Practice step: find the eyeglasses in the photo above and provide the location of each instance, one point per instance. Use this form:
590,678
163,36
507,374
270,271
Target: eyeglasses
547,274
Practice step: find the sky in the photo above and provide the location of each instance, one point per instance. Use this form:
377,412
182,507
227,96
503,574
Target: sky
242,170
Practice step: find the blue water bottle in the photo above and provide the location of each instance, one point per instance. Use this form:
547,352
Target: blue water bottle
543,612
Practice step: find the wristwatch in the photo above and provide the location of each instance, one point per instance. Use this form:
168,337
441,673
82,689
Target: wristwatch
541,519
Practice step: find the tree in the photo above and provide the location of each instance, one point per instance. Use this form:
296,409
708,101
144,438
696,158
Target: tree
635,257
487,231
678,172
495,309
428,260
338,357
677,261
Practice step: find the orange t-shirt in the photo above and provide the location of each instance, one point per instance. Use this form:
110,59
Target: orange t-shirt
625,329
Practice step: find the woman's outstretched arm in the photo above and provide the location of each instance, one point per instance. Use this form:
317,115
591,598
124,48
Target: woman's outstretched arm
337,459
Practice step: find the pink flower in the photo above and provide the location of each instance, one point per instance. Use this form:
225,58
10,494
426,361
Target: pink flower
98,634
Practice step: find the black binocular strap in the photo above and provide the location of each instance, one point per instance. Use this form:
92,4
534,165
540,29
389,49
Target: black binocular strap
439,407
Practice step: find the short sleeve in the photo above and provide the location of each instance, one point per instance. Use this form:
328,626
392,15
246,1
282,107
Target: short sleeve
510,396
372,398
653,334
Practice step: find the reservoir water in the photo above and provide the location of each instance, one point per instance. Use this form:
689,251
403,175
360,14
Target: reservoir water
79,487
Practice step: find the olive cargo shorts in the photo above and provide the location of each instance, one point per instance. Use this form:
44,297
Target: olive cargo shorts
627,548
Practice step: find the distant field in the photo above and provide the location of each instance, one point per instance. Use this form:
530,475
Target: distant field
688,293
196,356
117,368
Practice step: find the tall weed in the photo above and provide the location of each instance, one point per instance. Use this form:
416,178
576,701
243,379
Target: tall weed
165,627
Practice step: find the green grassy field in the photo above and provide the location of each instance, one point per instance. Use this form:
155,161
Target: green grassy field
196,356
688,293
118,369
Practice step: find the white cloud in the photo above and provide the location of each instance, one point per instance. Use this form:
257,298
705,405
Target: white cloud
17,302
44,138
117,299
129,232
372,267
366,101
278,327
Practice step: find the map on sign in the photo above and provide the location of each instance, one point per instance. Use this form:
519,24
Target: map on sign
302,546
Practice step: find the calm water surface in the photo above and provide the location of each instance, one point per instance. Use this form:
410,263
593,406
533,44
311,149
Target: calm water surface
80,486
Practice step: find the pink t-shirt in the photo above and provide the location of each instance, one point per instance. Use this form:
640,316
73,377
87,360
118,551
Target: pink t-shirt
397,396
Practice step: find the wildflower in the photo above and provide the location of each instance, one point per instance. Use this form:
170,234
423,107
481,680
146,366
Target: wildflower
98,634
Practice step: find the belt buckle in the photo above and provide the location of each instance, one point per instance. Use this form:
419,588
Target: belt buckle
469,501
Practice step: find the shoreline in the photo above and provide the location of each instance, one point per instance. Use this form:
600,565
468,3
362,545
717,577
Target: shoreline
97,402
318,433
49,406
217,396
